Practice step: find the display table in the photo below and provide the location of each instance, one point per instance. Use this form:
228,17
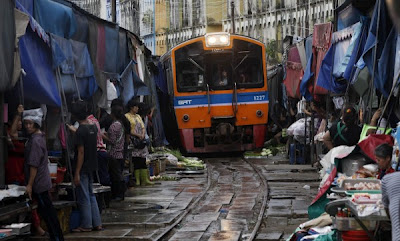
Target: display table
103,193
332,207
11,210
379,216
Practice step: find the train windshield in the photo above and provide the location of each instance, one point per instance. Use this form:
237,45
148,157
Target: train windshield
247,64
219,67
190,68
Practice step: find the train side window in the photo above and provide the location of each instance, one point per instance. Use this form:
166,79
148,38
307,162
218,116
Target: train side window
248,64
190,68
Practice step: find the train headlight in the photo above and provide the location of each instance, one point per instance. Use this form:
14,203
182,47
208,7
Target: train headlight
212,40
259,113
217,39
223,39
185,118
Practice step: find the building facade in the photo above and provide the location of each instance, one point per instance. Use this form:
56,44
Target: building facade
127,15
265,20
147,24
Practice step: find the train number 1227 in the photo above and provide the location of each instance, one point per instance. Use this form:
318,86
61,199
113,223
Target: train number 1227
259,97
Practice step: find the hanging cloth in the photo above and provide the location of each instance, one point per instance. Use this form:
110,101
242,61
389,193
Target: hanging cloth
358,49
7,43
322,36
384,82
307,77
374,41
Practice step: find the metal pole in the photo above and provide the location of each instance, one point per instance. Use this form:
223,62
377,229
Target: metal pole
77,89
370,99
63,112
114,10
233,16
3,156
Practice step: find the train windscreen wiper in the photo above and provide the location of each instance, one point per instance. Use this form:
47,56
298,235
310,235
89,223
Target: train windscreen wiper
195,63
244,58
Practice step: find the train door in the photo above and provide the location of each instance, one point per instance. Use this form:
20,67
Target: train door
221,82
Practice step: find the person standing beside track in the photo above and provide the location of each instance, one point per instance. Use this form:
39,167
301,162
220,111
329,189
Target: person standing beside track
85,166
37,176
138,155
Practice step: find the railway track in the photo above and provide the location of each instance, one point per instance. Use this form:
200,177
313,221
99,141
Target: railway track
231,207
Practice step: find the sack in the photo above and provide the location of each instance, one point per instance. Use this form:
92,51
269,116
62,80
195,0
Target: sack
137,143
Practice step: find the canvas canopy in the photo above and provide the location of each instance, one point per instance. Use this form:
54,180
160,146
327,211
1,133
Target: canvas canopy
35,53
7,23
55,17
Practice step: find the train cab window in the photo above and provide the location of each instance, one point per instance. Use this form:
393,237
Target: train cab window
247,63
190,68
220,74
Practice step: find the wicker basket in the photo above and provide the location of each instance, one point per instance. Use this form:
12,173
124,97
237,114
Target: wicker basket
155,167
162,164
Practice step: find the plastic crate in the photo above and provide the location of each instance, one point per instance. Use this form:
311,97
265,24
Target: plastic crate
346,224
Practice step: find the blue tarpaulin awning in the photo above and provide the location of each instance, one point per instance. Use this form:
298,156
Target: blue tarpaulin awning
75,64
131,83
55,18
381,26
39,83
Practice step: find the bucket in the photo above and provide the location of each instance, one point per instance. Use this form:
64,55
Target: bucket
355,236
53,170
60,174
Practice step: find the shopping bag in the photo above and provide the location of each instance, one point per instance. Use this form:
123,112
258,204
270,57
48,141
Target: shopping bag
369,144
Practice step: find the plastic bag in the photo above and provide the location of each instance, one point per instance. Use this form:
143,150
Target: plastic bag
372,141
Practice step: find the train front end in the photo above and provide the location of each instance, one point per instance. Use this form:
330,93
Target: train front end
220,93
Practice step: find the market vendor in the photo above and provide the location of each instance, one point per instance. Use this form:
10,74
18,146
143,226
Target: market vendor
383,155
37,176
345,132
15,163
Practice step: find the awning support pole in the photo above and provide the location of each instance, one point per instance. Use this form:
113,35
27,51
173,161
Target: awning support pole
64,112
374,62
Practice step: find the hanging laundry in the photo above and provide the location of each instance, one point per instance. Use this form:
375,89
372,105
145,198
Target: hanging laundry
294,73
322,36
358,49
337,58
308,46
302,52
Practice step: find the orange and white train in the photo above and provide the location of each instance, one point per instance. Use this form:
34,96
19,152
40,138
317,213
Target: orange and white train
217,86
